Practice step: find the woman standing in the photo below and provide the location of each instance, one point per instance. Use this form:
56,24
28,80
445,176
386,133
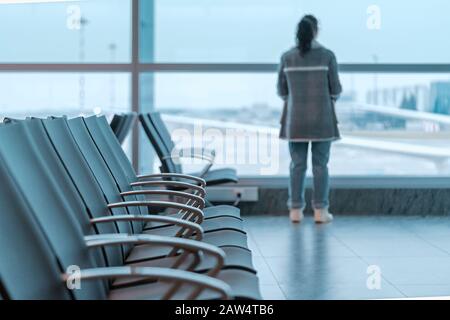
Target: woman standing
309,84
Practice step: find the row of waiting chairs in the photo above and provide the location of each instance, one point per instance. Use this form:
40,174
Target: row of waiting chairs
168,153
77,223
121,124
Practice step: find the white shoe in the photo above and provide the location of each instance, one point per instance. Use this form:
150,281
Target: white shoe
296,215
322,216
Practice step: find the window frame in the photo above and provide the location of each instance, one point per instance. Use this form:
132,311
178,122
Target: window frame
136,68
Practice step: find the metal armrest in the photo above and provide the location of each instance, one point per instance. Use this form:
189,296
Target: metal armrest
201,191
201,181
197,214
211,152
177,243
194,228
200,152
177,157
196,199
206,169
200,281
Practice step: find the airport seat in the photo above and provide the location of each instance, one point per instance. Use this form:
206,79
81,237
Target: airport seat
66,221
117,160
85,173
122,169
22,246
170,157
25,243
116,122
228,236
121,124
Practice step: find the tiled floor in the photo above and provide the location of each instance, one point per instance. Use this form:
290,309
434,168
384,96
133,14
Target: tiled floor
309,261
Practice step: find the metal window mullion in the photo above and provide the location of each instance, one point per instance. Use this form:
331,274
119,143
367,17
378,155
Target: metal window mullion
270,68
66,67
135,72
135,66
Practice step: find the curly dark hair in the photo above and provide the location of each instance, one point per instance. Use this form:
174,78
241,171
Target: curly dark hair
306,30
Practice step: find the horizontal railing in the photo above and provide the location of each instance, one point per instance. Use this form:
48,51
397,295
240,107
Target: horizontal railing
215,67
438,155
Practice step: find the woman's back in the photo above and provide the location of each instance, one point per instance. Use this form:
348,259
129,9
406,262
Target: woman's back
309,83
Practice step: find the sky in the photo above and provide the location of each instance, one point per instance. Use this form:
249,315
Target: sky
228,30
259,30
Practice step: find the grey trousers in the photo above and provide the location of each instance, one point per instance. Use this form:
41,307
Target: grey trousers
299,164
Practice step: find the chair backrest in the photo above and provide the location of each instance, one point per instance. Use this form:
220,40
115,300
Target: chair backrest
122,158
40,141
125,129
3,294
64,150
112,158
117,149
164,134
116,122
167,164
163,131
99,167
28,268
53,213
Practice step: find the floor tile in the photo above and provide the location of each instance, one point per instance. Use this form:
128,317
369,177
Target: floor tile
405,246
252,245
439,241
309,261
318,270
299,248
265,275
428,225
362,227
340,292
425,291
413,271
272,292
298,240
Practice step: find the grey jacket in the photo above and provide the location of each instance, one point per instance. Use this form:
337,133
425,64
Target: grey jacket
309,86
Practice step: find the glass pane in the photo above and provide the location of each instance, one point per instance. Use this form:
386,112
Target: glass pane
147,155
392,124
66,31
400,31
71,94
147,32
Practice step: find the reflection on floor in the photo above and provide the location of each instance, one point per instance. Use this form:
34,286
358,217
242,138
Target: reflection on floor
309,261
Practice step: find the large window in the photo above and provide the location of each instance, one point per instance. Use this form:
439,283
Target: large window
65,31
360,31
392,124
71,94
210,68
